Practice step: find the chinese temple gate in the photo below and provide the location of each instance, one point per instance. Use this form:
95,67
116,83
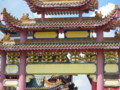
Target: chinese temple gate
32,47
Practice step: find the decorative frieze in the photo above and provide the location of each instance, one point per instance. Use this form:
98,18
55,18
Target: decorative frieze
61,57
32,57
13,58
75,57
111,57
47,57
90,57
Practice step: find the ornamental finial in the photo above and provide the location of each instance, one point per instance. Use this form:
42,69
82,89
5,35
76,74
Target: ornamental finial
4,10
25,17
116,6
98,15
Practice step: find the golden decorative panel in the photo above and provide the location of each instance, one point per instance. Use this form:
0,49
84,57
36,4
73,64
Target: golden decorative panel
60,68
10,82
112,83
77,34
11,69
42,35
13,58
111,68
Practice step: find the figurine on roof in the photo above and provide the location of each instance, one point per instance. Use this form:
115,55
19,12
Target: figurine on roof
98,14
117,34
25,17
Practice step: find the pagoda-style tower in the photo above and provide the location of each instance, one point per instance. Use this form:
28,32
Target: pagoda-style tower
32,46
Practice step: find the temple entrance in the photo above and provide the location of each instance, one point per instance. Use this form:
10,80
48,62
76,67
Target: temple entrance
10,88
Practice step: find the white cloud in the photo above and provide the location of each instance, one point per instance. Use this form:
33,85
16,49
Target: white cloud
1,35
105,10
81,81
35,15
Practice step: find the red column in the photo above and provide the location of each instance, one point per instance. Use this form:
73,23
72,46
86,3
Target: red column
119,56
100,67
119,64
22,77
42,16
3,62
93,83
99,35
23,37
80,15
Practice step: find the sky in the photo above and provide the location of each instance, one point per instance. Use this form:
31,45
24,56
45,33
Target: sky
18,7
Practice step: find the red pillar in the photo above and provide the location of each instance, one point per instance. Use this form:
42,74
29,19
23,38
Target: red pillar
99,35
3,62
93,83
42,16
80,15
23,37
119,59
22,77
100,67
119,64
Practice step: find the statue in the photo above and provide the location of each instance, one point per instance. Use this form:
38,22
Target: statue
25,17
98,15
117,34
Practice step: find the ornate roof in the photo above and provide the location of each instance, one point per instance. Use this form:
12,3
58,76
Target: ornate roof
62,6
4,28
93,23
54,45
60,46
43,85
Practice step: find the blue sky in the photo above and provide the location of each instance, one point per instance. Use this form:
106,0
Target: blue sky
18,7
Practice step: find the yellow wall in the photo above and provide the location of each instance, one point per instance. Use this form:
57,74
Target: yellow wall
112,83
111,68
45,35
60,68
11,69
77,34
10,83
